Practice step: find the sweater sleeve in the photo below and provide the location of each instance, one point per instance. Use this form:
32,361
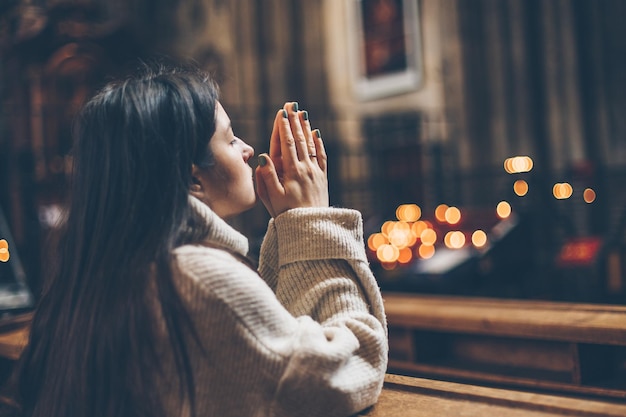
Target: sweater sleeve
268,257
324,278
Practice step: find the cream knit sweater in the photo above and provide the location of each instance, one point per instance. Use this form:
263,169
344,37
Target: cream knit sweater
305,336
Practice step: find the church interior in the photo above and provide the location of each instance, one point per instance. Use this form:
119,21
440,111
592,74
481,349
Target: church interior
483,141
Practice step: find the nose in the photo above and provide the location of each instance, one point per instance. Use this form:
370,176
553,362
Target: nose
248,152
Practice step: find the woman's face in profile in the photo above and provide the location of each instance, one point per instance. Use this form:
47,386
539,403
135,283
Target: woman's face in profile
228,185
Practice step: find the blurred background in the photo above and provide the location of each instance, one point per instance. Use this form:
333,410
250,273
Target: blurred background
484,141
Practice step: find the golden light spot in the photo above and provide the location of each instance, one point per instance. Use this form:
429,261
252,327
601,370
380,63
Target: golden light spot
479,238
387,253
387,227
408,212
518,164
589,195
418,227
400,238
4,251
452,215
376,240
426,251
503,209
405,256
520,187
457,240
562,191
440,212
428,237
446,240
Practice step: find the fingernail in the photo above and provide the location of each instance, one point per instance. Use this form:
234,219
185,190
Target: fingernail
262,160
284,113
305,115
318,133
295,106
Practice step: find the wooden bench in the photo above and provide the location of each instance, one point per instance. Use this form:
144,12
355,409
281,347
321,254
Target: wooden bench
563,347
404,396
407,397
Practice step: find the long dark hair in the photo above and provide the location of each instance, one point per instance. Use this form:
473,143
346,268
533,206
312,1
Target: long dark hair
92,345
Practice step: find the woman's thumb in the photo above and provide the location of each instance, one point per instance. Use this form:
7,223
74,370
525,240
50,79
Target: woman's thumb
268,184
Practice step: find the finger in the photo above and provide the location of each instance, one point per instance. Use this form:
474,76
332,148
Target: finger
288,150
296,130
261,191
268,184
306,127
320,150
275,137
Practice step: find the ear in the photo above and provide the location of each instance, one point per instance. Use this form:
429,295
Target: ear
197,188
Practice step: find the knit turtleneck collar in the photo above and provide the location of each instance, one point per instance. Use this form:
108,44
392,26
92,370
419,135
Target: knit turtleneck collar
215,230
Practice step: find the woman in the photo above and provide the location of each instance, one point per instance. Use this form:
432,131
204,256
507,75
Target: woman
154,309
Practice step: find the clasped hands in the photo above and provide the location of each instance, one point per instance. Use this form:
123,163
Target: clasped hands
294,173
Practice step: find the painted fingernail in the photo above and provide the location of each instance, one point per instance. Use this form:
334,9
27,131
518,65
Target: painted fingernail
284,113
262,160
305,115
318,133
295,106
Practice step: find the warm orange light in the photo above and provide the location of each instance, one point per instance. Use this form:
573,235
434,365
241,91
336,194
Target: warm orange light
440,212
452,215
376,240
503,209
418,227
518,164
426,251
562,191
387,227
520,187
589,195
387,253
4,251
457,240
405,255
479,238
408,212
400,238
428,237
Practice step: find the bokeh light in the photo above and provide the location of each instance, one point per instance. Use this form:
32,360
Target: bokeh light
426,251
479,238
440,212
405,255
518,164
589,195
520,187
418,227
387,253
562,190
4,251
376,240
503,209
428,237
408,212
452,215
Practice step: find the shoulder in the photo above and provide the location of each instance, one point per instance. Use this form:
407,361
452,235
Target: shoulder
200,263
211,272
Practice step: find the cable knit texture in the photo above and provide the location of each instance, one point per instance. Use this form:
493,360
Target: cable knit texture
305,336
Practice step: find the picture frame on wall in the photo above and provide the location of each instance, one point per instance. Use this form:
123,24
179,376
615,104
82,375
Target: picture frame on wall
385,45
